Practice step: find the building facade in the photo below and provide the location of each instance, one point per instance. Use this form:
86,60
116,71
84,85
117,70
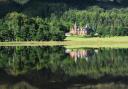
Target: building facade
75,30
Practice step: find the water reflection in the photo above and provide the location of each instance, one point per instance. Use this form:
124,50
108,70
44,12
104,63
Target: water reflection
80,53
61,68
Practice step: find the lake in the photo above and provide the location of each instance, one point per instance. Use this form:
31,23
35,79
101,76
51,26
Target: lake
57,67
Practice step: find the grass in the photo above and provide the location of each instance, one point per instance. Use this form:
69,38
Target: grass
96,42
75,42
108,39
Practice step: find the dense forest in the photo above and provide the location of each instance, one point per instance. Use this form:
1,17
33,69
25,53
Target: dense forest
26,20
19,27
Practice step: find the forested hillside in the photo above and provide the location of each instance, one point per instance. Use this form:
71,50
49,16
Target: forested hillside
50,19
45,8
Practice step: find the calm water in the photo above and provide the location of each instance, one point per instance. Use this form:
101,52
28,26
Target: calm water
61,68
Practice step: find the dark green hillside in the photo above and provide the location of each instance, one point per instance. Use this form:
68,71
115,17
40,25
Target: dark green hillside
45,8
49,19
42,8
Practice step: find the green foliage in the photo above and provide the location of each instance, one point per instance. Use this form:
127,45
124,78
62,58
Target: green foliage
22,28
105,22
57,17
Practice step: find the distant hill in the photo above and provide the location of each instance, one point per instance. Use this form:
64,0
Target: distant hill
4,0
45,8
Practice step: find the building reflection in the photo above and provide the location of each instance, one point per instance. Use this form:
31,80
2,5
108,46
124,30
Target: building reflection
76,54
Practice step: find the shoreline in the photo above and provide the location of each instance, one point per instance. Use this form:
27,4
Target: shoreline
70,42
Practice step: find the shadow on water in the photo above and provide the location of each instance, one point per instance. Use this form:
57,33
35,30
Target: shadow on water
61,68
41,79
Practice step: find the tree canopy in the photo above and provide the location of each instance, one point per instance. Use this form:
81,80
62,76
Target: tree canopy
51,19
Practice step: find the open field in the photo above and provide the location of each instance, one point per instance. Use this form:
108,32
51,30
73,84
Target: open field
74,42
96,42
105,39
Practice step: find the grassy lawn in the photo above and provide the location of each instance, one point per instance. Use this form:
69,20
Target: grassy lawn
96,42
113,39
74,42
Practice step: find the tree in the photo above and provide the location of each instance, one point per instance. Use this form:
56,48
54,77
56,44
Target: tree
23,28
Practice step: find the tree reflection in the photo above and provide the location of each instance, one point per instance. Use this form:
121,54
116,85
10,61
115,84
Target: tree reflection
90,62
23,59
53,67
